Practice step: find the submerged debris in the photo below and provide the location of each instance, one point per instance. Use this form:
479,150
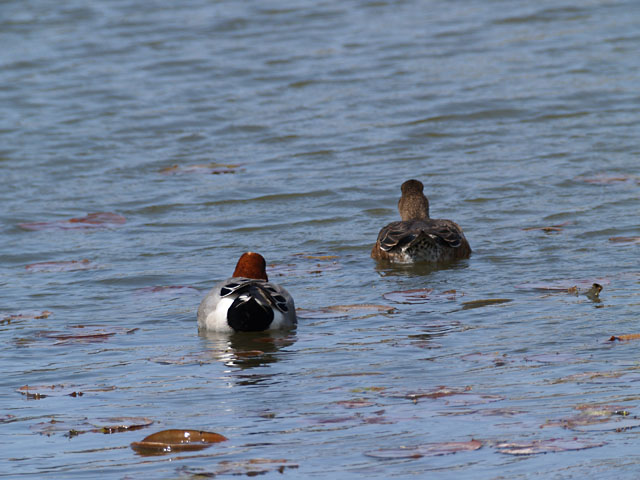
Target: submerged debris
550,229
92,220
421,295
425,450
551,445
206,169
63,266
625,240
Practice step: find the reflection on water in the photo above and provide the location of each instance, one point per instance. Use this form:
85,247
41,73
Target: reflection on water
247,349
386,269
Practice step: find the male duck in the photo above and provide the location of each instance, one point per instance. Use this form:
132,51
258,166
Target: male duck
247,302
418,238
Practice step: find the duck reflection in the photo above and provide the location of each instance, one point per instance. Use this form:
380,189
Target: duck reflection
247,349
387,269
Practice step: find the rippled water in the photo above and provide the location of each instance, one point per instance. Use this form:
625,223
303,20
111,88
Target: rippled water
515,115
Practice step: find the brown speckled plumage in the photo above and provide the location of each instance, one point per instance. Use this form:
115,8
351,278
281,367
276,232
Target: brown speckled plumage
418,238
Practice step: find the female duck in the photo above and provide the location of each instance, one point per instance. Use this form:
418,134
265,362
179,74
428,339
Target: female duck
247,302
418,238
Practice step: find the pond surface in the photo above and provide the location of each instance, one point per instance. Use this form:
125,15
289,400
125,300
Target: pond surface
178,135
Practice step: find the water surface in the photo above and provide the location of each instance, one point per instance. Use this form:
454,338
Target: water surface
215,128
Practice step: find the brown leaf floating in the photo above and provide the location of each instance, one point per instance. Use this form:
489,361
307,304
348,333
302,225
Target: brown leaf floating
420,295
168,290
176,440
425,450
628,336
546,446
604,179
25,316
251,468
92,220
206,169
340,311
121,424
483,303
625,239
64,266
36,392
567,285
551,228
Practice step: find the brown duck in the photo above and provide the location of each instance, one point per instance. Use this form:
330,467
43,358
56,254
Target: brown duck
418,238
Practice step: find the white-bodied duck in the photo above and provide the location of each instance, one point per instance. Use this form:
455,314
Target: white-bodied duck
247,302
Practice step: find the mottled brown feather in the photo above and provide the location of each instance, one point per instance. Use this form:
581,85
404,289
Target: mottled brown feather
417,237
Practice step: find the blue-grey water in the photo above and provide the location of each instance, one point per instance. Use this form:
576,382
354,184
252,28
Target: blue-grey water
217,127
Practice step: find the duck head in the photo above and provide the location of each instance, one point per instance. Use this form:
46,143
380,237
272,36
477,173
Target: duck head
251,265
413,205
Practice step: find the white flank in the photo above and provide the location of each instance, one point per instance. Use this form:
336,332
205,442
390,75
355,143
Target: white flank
217,320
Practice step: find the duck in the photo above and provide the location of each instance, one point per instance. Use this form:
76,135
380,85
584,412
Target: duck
417,237
247,302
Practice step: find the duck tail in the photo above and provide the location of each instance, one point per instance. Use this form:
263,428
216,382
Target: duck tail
251,311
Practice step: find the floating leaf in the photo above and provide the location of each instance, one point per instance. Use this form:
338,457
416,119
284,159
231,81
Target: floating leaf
377,421
206,169
472,399
168,290
432,330
335,419
550,229
92,220
316,257
302,269
486,412
25,316
451,396
36,392
602,410
83,334
628,336
75,427
439,392
254,466
56,426
589,415
596,418
420,295
189,359
251,468
319,313
175,440
600,377
498,359
121,424
340,311
67,266
484,303
368,389
355,403
603,179
551,358
546,446
425,450
625,239
564,285
612,424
